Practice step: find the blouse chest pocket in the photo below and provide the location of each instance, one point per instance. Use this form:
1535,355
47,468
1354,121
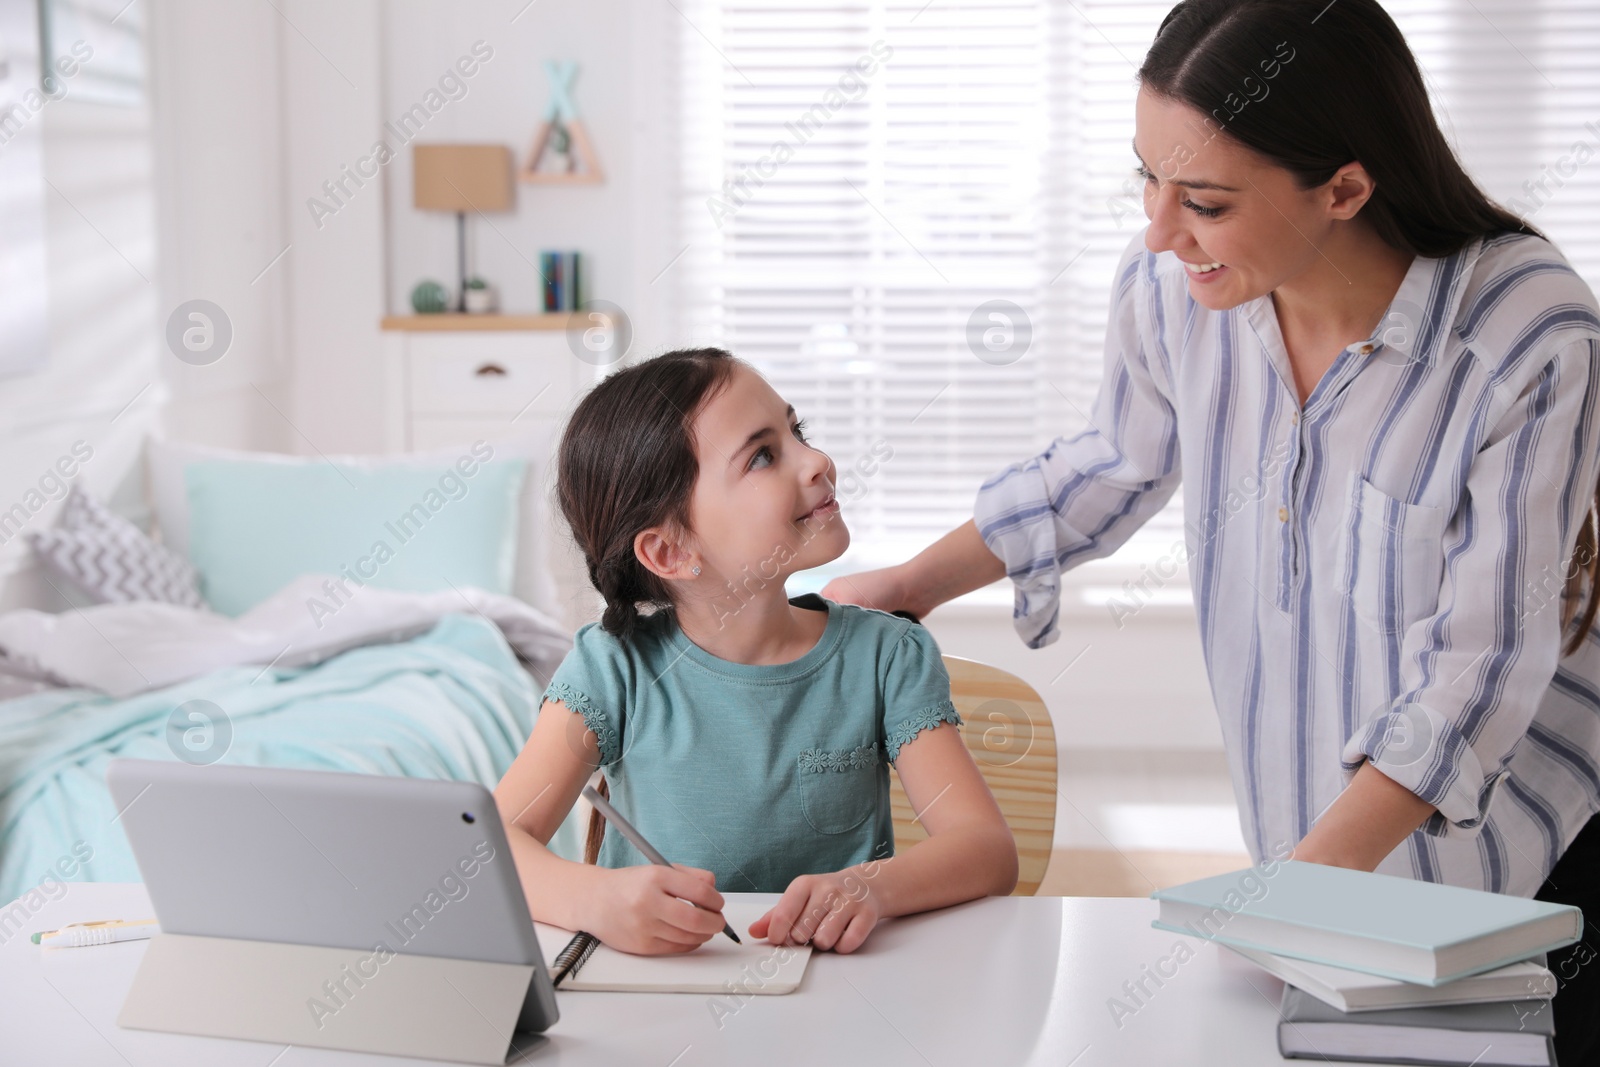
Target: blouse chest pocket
1396,558
839,787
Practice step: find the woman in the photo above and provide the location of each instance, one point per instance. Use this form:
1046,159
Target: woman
1387,400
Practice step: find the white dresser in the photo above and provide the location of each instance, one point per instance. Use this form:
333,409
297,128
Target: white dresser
511,380
453,378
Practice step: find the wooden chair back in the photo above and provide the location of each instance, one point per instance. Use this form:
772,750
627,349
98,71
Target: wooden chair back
1009,733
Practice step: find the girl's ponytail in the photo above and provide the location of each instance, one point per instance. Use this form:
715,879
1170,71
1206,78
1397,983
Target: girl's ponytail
627,464
623,591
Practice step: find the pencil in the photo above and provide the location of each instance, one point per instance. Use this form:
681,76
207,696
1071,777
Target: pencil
639,842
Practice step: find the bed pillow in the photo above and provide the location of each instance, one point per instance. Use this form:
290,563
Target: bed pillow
534,579
418,527
413,527
111,559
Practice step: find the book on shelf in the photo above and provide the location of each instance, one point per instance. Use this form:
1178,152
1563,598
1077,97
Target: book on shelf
561,276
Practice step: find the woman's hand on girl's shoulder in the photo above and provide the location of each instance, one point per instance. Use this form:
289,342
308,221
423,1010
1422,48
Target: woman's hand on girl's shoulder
832,911
642,910
883,589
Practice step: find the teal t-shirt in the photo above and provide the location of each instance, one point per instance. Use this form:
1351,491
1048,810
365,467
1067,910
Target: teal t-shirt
756,773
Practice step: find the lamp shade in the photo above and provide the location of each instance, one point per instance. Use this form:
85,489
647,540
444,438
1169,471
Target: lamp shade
461,177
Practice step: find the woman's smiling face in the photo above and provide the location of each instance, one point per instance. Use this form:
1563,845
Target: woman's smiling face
1212,200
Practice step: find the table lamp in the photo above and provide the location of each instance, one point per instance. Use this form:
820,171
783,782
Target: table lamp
461,178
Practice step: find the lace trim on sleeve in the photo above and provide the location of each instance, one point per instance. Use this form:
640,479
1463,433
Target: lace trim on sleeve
848,759
926,719
593,717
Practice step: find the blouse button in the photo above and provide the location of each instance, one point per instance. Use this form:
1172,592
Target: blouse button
1366,350
1283,514
1294,418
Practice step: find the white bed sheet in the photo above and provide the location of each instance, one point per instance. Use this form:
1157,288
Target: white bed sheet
124,649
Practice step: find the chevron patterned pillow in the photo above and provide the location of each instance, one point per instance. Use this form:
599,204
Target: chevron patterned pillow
112,559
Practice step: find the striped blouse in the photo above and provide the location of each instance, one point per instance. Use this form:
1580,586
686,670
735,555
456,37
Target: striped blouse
1377,575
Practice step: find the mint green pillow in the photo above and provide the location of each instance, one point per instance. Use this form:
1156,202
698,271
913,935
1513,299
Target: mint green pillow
255,526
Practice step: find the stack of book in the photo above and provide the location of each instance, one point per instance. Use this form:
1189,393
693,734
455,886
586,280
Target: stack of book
561,272
1378,968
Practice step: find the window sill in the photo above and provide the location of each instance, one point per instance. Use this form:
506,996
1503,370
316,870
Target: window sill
1080,600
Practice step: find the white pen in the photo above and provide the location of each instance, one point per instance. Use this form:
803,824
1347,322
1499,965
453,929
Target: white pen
100,932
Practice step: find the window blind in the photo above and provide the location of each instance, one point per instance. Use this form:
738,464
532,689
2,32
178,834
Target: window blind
1517,90
862,181
111,69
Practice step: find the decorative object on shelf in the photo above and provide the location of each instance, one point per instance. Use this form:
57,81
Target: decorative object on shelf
429,298
562,280
562,153
479,296
461,178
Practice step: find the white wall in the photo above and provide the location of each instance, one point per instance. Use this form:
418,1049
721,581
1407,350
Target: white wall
253,103
1142,686
623,93
214,78
103,382
332,98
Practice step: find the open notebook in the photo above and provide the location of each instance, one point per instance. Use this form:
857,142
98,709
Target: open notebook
718,966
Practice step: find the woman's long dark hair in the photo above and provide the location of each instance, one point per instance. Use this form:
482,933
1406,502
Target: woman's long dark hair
627,463
1348,90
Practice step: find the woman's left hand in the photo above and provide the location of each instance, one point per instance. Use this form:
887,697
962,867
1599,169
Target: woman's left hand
832,911
1365,823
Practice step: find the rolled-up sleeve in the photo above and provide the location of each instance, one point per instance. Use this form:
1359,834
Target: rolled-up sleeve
1476,669
1087,493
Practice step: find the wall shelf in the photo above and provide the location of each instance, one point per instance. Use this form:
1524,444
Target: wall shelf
455,320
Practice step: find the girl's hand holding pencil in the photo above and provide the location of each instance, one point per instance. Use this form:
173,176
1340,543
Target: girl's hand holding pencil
642,910
642,896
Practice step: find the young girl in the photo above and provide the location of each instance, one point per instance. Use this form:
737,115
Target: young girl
747,735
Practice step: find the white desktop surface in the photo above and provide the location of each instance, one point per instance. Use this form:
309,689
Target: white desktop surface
1014,980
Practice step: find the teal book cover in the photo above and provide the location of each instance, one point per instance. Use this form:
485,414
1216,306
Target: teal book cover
1375,923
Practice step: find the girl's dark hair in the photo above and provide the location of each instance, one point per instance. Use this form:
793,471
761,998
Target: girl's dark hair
1311,86
627,463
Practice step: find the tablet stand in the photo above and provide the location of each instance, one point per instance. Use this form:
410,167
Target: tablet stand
352,999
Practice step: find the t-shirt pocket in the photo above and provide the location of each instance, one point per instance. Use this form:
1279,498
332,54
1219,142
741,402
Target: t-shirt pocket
839,787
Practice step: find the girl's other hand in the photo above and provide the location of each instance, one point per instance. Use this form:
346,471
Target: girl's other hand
884,589
642,910
832,911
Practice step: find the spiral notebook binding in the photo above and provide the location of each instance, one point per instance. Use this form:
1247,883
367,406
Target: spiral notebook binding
572,958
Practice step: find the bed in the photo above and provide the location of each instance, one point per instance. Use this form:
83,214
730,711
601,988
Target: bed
438,684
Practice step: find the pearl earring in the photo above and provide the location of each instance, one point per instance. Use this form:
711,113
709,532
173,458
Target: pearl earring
696,572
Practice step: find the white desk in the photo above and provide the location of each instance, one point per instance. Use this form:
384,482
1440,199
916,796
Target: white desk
1018,980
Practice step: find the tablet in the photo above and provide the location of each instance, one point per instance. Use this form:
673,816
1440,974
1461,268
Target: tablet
331,859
